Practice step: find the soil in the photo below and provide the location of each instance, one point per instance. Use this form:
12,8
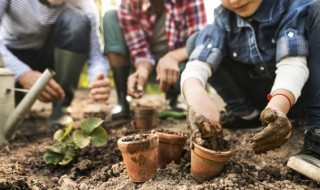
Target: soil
22,166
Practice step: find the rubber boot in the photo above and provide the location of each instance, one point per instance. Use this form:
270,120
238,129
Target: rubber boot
120,76
68,67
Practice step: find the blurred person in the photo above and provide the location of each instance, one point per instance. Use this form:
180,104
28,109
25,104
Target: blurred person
148,35
57,34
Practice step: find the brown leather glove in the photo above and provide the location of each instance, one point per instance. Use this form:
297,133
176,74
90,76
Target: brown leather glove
204,133
276,133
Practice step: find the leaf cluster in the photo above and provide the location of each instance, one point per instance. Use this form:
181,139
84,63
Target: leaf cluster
68,142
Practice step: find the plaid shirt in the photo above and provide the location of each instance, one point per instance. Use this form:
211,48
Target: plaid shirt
137,19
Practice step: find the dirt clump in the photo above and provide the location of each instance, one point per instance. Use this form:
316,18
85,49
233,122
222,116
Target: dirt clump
205,134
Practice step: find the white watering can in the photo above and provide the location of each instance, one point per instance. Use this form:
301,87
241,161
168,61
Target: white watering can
11,117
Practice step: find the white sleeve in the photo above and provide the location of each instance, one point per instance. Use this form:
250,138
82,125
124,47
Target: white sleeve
196,69
291,74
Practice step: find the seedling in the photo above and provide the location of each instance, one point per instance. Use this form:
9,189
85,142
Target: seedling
67,145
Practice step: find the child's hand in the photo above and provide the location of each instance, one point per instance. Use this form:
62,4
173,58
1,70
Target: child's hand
277,131
204,133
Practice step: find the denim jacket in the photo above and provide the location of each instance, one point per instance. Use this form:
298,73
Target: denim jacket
275,31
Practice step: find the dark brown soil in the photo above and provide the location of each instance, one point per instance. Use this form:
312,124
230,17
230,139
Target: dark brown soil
22,166
138,137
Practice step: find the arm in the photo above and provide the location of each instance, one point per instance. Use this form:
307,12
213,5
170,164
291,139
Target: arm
98,67
23,73
167,68
11,62
193,82
292,74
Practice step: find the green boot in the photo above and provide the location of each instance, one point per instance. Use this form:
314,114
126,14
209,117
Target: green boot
120,76
68,67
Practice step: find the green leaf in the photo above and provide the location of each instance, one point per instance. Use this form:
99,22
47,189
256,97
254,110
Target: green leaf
67,129
52,157
81,139
99,137
61,134
58,135
90,124
68,157
59,148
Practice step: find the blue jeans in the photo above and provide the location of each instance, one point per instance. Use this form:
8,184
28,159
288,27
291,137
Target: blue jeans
243,93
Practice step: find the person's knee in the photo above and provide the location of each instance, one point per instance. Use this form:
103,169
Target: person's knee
74,22
110,20
113,36
71,29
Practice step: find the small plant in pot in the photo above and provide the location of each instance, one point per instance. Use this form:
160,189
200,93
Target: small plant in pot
145,117
140,156
209,150
170,146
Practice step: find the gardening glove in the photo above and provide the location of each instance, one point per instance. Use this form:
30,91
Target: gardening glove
204,133
277,131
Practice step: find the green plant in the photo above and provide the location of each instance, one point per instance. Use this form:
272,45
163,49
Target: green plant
67,145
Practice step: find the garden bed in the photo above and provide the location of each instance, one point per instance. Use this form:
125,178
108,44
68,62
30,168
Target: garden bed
22,166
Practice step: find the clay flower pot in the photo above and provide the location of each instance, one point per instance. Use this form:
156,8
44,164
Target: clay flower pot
145,117
205,163
170,147
140,156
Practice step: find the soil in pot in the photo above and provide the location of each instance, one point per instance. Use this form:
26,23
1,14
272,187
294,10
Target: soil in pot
140,156
145,117
98,114
171,145
209,150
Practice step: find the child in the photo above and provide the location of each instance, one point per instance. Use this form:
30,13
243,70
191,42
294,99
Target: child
255,48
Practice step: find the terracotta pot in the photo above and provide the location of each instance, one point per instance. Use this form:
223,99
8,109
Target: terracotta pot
145,117
170,147
207,164
140,157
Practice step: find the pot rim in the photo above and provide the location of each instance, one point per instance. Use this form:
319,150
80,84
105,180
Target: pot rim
150,137
209,154
171,138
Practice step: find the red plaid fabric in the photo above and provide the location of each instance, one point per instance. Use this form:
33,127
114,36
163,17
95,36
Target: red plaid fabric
137,18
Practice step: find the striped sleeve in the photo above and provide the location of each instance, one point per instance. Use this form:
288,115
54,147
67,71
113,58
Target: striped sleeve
11,62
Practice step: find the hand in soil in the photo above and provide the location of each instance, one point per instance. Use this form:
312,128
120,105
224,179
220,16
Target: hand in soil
277,131
204,133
